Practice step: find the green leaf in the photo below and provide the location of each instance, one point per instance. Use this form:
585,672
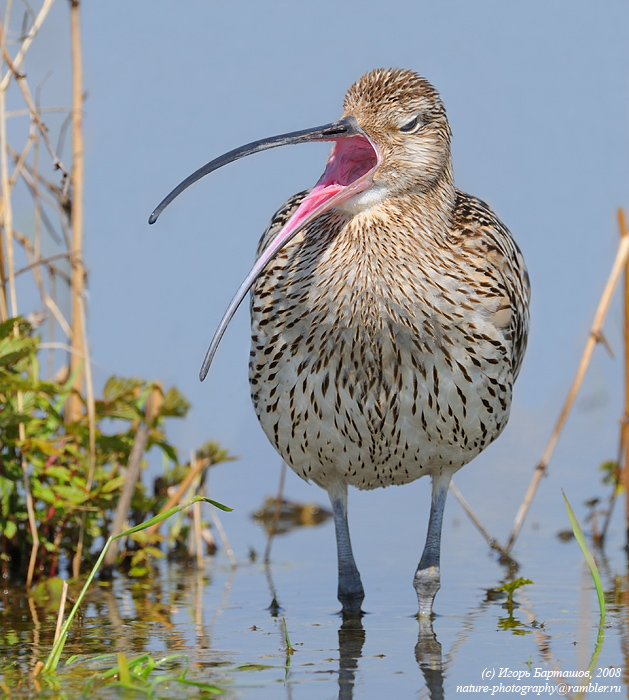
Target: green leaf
43,493
70,494
511,586
253,667
218,505
49,590
113,484
175,404
9,529
59,473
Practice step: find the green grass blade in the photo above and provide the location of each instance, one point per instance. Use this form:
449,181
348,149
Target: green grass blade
53,658
123,669
171,511
580,537
289,648
114,671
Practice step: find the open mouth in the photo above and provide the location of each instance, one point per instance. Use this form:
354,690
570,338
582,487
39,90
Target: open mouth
349,171
351,159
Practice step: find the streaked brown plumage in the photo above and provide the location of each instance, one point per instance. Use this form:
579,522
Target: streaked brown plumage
386,338
389,313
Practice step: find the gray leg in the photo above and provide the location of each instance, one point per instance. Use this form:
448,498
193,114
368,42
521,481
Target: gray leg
427,579
350,591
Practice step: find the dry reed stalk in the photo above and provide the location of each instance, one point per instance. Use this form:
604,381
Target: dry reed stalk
89,388
624,232
58,198
50,355
491,541
37,669
31,252
91,420
42,261
37,130
194,541
623,447
73,405
7,228
62,607
32,522
27,40
151,410
595,336
20,79
51,305
4,309
37,272
4,312
198,539
124,502
7,210
20,161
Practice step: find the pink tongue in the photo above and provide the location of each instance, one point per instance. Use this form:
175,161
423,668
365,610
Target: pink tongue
350,159
348,172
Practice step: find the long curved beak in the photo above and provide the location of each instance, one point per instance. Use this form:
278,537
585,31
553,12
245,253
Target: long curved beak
328,132
349,170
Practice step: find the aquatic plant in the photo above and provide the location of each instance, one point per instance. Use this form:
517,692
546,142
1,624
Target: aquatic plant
60,481
53,659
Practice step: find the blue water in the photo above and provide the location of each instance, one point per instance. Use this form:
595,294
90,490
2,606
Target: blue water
220,619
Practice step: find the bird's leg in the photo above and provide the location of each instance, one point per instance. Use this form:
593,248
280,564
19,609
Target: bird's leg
350,591
427,579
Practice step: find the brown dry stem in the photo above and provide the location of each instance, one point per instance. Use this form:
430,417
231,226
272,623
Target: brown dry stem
624,432
596,333
73,405
491,541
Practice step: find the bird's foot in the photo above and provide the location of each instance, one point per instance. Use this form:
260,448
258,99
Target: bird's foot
351,597
427,582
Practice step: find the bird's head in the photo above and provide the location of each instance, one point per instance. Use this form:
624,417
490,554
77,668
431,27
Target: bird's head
404,119
392,138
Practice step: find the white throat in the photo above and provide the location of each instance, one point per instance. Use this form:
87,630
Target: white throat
364,201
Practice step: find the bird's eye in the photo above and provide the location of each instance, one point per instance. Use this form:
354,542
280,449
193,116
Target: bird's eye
413,125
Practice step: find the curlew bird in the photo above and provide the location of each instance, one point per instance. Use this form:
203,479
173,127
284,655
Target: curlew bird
389,313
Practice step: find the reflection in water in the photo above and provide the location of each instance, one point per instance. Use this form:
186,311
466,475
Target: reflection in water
284,516
351,640
275,608
352,637
177,613
428,656
427,653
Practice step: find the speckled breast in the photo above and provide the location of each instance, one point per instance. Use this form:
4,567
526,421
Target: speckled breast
370,367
